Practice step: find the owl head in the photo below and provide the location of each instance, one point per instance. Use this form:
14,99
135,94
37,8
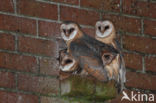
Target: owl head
104,28
69,30
67,62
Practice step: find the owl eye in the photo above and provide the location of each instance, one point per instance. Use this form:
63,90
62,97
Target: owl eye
106,27
99,27
68,61
71,30
64,30
107,57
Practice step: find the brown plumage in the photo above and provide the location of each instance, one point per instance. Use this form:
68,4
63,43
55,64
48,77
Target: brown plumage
67,62
87,51
105,32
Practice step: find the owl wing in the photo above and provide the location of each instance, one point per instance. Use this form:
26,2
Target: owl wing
88,59
80,48
105,51
98,46
118,45
122,70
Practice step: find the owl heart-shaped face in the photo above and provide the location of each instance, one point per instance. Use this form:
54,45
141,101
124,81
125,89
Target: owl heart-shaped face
66,61
68,65
103,28
107,58
68,31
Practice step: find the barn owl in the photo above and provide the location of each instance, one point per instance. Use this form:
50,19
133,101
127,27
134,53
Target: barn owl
91,54
105,32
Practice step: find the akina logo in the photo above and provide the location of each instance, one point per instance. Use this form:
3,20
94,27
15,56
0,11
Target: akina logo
137,96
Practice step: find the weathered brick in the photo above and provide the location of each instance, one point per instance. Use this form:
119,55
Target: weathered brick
9,97
6,5
49,29
140,44
78,15
133,61
143,81
18,62
124,23
73,2
37,9
17,24
7,79
140,8
7,41
107,5
98,4
150,64
53,100
37,84
150,27
89,31
37,46
49,66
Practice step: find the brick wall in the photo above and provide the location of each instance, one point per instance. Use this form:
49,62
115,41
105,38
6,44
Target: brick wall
29,47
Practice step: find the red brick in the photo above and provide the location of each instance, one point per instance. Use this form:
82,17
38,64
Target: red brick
124,23
37,84
143,81
6,5
108,5
7,41
140,44
73,2
53,100
150,64
18,62
37,46
140,8
133,61
49,29
9,97
150,27
37,9
89,31
79,16
17,24
49,66
7,79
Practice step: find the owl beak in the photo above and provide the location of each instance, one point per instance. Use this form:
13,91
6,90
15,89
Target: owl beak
67,34
101,29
